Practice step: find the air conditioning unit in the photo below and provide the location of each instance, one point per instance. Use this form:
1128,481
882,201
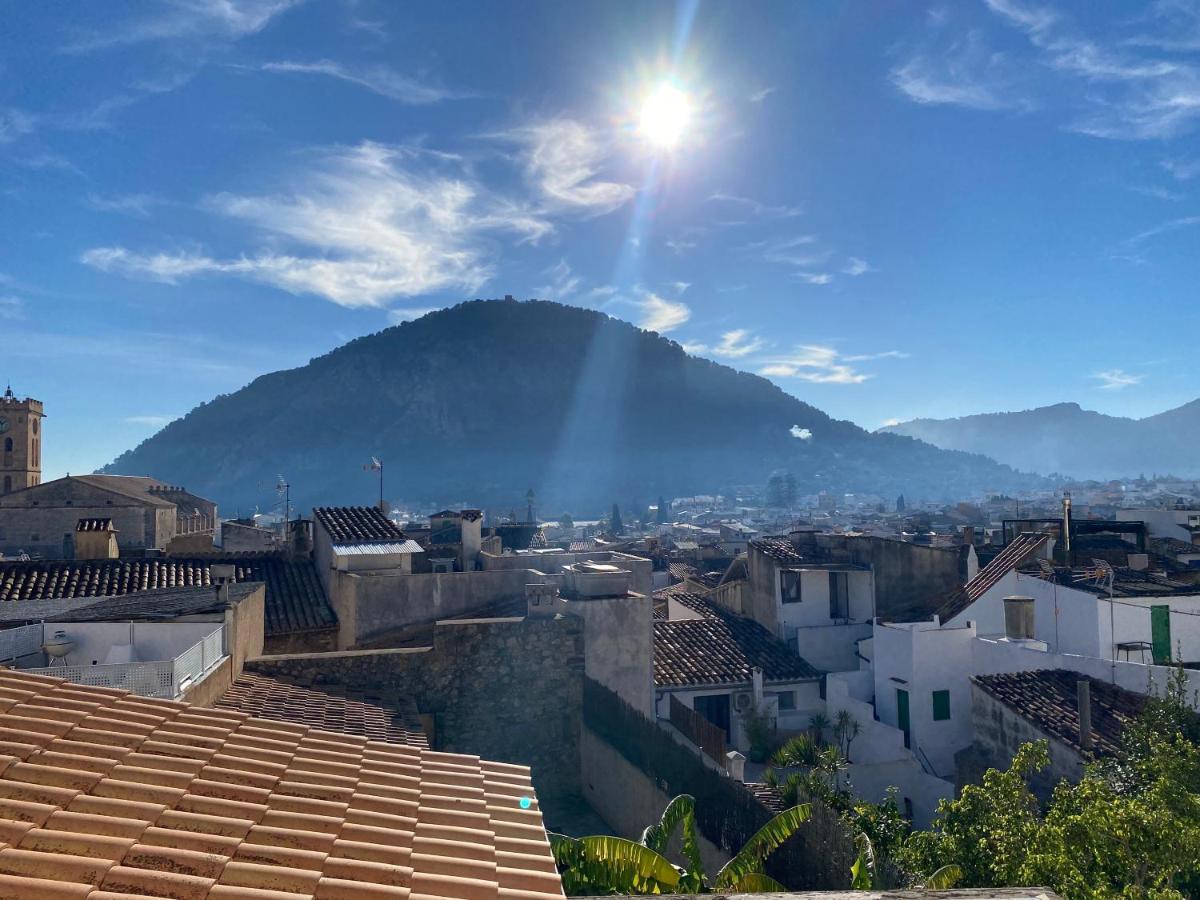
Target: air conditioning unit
743,701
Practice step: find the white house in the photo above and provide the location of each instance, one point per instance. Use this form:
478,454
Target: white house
723,666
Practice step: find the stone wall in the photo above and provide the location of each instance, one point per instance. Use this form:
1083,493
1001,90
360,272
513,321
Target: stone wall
628,800
620,646
999,732
508,690
369,605
322,641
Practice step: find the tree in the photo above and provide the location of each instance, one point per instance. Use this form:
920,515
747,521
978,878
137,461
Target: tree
664,511
566,521
1129,829
615,525
601,864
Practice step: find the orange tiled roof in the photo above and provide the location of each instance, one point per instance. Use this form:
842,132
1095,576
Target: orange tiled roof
104,794
371,714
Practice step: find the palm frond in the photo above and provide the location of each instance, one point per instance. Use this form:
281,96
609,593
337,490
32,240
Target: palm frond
681,812
757,883
764,842
944,878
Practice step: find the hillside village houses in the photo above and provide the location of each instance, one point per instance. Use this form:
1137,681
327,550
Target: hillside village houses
466,640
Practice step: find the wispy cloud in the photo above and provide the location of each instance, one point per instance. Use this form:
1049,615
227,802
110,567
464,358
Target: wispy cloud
1164,228
14,123
138,205
193,19
821,364
801,434
1117,379
11,308
152,421
1182,169
1114,91
563,159
380,80
855,267
761,94
662,315
738,343
563,282
818,278
679,246
968,73
363,225
755,208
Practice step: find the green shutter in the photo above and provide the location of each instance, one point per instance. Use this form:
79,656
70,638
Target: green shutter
941,706
902,713
1160,634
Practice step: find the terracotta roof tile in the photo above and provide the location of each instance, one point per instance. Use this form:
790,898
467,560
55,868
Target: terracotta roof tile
722,650
187,803
357,524
295,600
358,716
1049,699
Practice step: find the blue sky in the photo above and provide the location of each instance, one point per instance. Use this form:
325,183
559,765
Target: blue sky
890,209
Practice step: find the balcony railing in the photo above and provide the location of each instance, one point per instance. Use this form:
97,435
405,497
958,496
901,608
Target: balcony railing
18,642
166,679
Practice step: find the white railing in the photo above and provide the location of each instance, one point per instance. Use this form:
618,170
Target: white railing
167,679
18,642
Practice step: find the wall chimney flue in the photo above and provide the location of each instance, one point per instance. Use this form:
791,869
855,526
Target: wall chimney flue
1083,703
1018,618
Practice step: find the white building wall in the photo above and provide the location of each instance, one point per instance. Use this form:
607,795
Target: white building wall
921,658
1163,523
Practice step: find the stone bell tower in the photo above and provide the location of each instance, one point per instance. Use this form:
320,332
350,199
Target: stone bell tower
20,442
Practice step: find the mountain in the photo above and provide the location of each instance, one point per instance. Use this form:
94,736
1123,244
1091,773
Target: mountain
1067,439
477,403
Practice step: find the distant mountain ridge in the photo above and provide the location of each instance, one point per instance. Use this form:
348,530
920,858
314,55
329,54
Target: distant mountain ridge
1067,439
481,401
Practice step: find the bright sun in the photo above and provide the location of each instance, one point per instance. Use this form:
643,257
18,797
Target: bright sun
665,116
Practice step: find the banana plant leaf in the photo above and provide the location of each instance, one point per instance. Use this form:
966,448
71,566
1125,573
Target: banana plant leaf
764,842
602,864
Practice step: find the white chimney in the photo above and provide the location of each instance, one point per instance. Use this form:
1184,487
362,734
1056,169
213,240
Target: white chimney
1018,618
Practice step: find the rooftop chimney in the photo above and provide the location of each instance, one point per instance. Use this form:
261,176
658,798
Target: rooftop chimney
1083,703
1018,618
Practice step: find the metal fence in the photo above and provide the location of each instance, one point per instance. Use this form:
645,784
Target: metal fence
151,679
166,679
704,734
18,642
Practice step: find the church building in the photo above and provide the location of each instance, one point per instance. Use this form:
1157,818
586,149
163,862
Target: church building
44,519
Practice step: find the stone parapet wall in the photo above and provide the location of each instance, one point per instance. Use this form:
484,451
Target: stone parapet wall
508,690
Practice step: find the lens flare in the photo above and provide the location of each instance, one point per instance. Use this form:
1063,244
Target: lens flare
665,116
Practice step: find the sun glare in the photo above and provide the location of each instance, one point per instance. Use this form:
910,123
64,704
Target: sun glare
665,116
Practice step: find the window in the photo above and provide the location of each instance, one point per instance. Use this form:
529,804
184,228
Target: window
839,596
35,537
8,484
787,699
941,706
8,445
789,585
